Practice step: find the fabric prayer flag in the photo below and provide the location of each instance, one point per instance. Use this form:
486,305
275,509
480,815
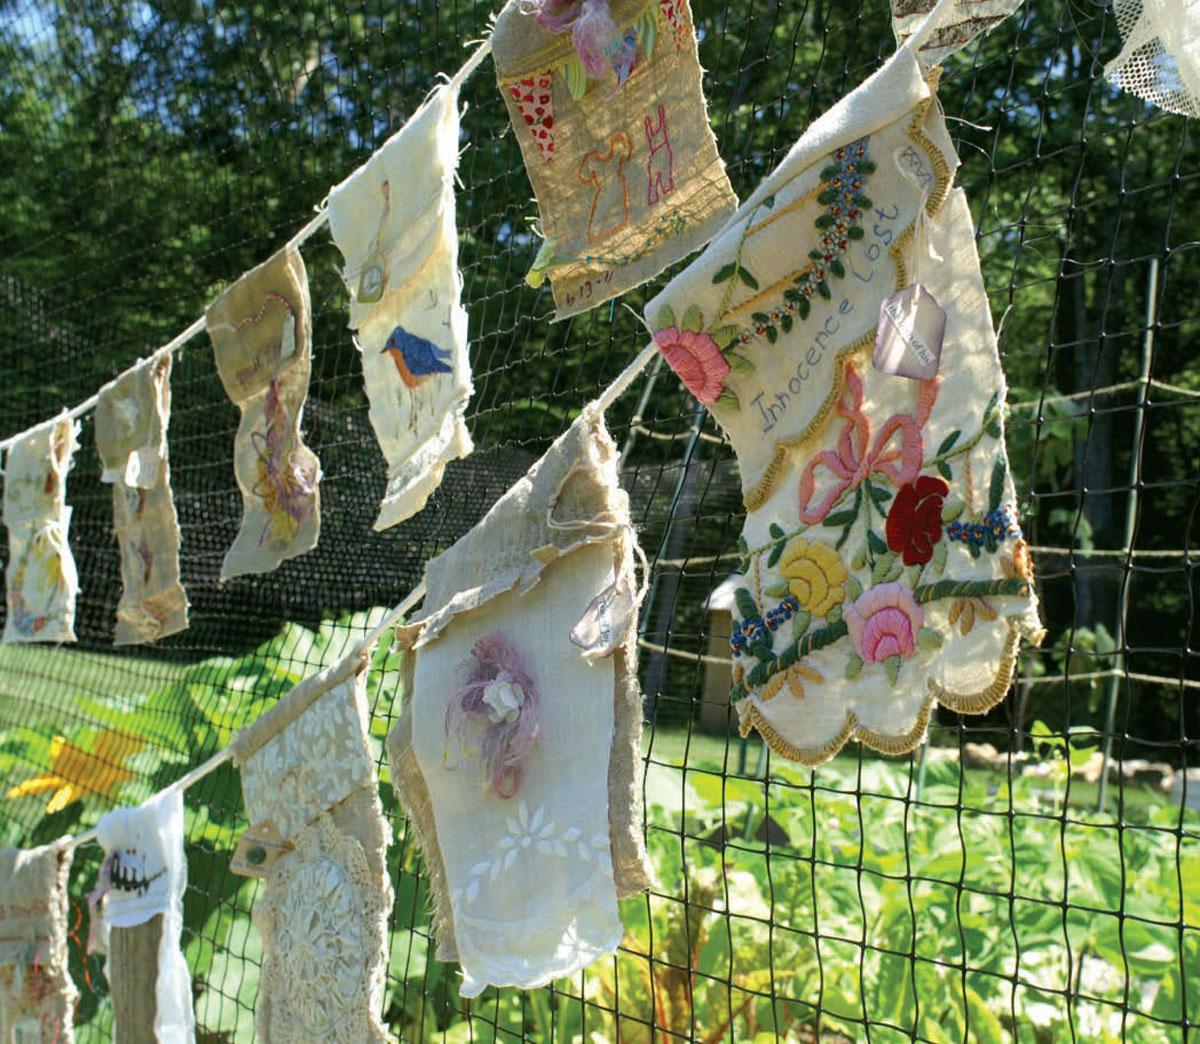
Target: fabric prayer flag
131,438
41,580
318,838
261,330
516,754
393,220
139,897
957,25
621,158
37,997
839,330
1160,60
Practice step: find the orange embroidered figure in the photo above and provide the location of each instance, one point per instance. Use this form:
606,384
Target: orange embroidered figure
605,171
660,174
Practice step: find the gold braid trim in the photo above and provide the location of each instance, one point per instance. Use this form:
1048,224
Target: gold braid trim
771,476
751,717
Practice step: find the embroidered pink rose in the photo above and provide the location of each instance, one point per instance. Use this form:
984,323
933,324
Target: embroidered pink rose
883,622
696,359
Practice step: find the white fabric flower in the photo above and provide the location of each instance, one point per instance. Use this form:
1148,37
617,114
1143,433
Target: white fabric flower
504,699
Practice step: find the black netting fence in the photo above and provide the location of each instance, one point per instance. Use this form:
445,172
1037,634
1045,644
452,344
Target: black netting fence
1029,875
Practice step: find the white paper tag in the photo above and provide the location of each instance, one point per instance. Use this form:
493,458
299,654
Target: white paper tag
908,339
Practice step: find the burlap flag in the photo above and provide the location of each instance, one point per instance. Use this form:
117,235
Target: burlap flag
140,901
41,580
318,839
261,331
131,438
37,997
956,26
393,220
622,159
839,330
515,756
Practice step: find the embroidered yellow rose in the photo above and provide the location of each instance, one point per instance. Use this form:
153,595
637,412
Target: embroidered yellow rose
815,575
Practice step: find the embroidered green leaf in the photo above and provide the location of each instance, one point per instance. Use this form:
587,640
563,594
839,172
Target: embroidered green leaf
948,442
725,336
944,470
987,410
816,255
854,666
803,307
891,667
776,530
993,426
725,273
996,486
769,201
989,542
912,574
728,400
953,508
832,171
881,568
786,322
855,232
859,561
800,624
776,551
792,294
864,202
974,549
824,221
880,496
772,334
854,589
837,268
788,657
647,30
742,546
827,197
666,316
739,363
823,290
840,518
778,590
760,317
834,615
575,77
745,603
866,167
877,545
938,561
693,319
745,276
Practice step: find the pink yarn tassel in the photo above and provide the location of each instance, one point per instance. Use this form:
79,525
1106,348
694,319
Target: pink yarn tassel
501,747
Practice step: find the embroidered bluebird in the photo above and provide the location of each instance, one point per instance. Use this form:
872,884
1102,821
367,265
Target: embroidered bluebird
416,359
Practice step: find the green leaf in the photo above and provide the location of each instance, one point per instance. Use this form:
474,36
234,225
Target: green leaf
666,316
647,30
953,508
880,496
840,518
944,470
855,232
776,530
745,276
996,486
837,268
772,334
823,290
864,202
938,561
928,638
769,201
891,667
854,666
576,78
693,319
834,615
792,294
800,623
728,400
760,317
739,363
816,255
854,589
745,603
866,167
803,306
876,543
725,272
827,196
830,171
725,336
786,322
948,442
824,221
993,427
778,590
859,561
775,554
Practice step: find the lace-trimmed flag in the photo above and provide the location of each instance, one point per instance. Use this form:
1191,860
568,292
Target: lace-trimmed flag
37,997
318,839
839,330
622,160
1160,61
131,438
515,756
393,220
139,898
261,330
41,580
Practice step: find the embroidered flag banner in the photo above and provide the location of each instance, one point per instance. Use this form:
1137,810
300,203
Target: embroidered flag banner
318,838
839,330
394,222
41,580
515,756
37,997
956,26
261,330
140,899
616,141
131,438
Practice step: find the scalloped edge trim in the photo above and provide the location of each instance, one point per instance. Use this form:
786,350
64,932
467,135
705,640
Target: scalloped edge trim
751,717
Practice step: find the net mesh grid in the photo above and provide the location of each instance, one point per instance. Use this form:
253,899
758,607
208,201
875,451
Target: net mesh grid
155,151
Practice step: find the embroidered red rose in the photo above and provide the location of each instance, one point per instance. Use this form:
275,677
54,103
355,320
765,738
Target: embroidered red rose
695,357
914,523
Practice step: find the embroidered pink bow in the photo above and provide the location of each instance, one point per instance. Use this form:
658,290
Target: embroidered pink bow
857,456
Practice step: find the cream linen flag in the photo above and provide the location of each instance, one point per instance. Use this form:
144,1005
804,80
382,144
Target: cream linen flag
141,884
956,26
37,997
261,330
839,330
393,221
131,438
41,579
318,839
515,756
622,158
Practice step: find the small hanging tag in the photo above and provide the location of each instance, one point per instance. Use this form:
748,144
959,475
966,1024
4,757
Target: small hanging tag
257,849
908,339
604,622
370,286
